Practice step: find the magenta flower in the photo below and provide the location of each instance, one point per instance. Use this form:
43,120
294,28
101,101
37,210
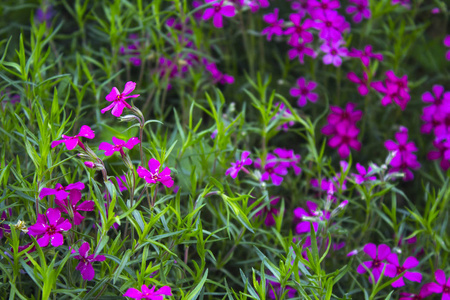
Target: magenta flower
440,103
302,7
273,170
363,83
85,266
218,11
275,25
331,25
405,3
402,145
424,293
149,294
218,76
365,55
72,141
299,30
303,91
238,165
443,153
312,212
269,212
378,256
133,50
49,228
71,207
286,114
339,115
396,90
325,5
154,176
60,191
346,137
362,176
118,99
360,9
333,52
118,146
447,44
289,159
442,286
394,269
300,50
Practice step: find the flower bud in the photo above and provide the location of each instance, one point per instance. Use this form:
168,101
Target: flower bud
129,118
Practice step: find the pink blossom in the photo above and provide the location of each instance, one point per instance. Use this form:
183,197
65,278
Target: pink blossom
49,228
154,176
365,55
299,30
363,83
331,25
273,170
424,293
118,99
61,192
275,25
442,286
238,165
149,294
362,176
378,256
312,212
395,89
360,9
118,146
285,114
71,207
300,50
394,269
269,212
303,91
132,50
345,138
289,159
85,266
218,10
333,53
324,5
443,153
72,141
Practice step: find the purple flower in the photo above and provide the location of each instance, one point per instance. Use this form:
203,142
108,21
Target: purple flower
443,153
440,103
303,91
405,3
365,55
289,159
133,50
269,212
312,212
118,146
362,176
218,11
302,7
286,114
72,207
424,293
324,5
300,50
218,76
273,170
333,52
396,90
331,24
363,84
85,266
275,25
238,165
60,191
154,176
447,44
394,269
442,286
149,294
44,15
118,99
345,137
49,228
378,256
299,30
72,141
360,9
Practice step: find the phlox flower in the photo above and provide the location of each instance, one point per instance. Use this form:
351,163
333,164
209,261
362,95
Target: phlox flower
272,169
395,89
378,256
363,83
299,30
239,165
339,115
324,5
365,55
275,25
132,50
345,137
218,10
424,293
218,76
72,141
269,212
312,212
154,176
302,7
442,286
394,269
362,177
439,101
360,9
303,91
333,52
447,44
72,206
300,50
118,99
286,114
443,153
61,192
149,294
85,265
49,228
289,159
331,25
118,145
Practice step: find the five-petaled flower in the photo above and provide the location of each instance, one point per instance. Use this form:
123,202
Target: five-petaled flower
118,99
49,228
153,175
238,165
376,265
394,269
61,192
149,293
85,266
118,145
442,286
218,10
72,141
71,207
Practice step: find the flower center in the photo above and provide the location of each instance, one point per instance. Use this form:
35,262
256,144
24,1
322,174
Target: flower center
328,24
376,263
446,289
400,270
304,91
333,52
155,177
51,229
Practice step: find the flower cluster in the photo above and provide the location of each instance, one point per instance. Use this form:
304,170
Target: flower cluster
395,89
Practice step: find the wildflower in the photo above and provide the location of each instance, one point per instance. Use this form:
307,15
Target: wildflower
118,99
324,5
424,293
310,214
72,141
447,44
303,91
149,294
331,25
299,30
118,145
154,176
60,191
443,153
442,286
376,265
272,169
44,14
132,50
300,50
362,176
345,137
85,265
275,25
72,207
285,114
365,55
238,165
218,76
361,9
333,52
49,228
363,84
218,10
395,88
339,115
269,212
394,269
302,7
289,159
440,104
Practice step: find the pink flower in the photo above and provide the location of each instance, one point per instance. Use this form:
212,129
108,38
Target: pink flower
285,114
269,212
300,50
394,269
447,44
304,91
440,103
299,30
289,159
324,5
396,90
132,50
72,141
118,99
443,153
331,25
312,212
424,293
363,84
154,176
50,228
238,165
275,25
333,53
362,176
118,146
442,286
376,265
365,55
72,207
273,170
60,191
302,7
361,9
346,137
218,11
85,266
149,294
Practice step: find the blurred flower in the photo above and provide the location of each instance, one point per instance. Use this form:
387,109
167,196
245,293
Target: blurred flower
49,228
324,5
149,294
306,217
303,91
362,176
269,212
442,286
443,153
424,293
154,176
300,50
72,141
218,10
4,228
365,55
238,165
132,50
289,159
298,30
405,3
85,265
118,99
275,25
363,84
376,265
395,88
331,25
360,9
333,52
286,114
118,146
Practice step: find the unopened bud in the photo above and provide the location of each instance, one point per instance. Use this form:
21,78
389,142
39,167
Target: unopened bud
129,118
93,165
